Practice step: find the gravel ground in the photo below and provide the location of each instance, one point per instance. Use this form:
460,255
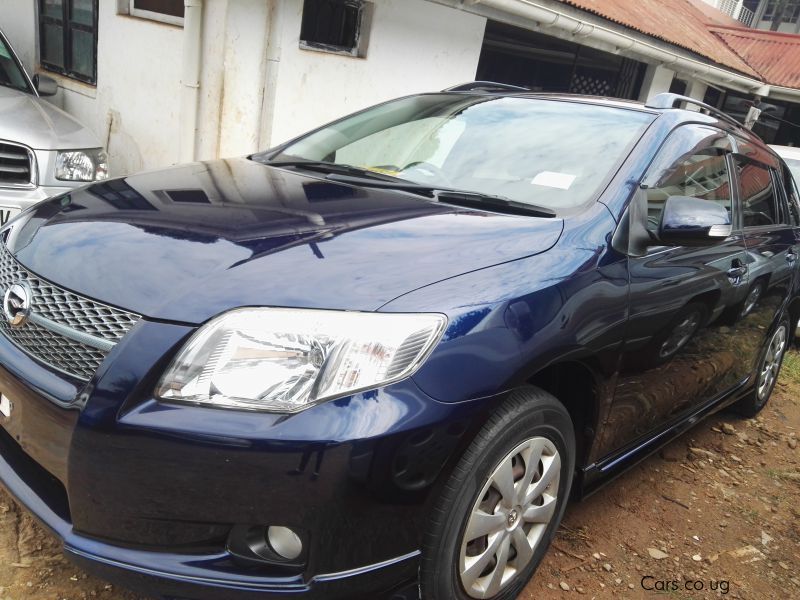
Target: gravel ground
717,510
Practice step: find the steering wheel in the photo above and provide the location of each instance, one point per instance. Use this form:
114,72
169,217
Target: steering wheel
429,171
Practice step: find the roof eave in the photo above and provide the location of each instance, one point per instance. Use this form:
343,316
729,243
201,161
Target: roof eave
566,22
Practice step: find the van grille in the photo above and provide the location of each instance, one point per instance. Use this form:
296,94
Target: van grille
16,165
64,330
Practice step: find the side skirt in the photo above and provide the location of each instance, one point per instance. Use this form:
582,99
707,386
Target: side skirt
592,477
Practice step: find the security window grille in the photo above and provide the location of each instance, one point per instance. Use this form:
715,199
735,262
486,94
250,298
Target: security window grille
68,38
167,11
333,26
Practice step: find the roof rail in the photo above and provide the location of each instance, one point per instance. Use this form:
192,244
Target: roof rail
487,86
669,100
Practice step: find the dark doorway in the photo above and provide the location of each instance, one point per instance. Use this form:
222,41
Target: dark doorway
547,64
779,122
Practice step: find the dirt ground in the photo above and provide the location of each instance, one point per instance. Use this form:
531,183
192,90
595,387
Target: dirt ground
717,511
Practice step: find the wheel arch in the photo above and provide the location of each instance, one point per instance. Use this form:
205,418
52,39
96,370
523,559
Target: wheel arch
794,316
577,386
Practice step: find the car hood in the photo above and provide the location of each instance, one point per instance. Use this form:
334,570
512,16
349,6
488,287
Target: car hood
35,122
187,243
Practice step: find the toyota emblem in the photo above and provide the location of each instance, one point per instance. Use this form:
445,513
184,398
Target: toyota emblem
17,304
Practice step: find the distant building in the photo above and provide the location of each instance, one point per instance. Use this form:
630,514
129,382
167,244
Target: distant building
776,15
741,11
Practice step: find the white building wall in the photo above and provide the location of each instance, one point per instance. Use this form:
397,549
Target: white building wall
414,46
19,24
134,108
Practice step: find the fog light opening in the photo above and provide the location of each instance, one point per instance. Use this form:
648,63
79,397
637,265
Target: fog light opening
284,542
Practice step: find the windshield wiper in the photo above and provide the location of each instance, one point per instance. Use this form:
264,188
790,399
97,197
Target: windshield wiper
324,166
450,196
479,200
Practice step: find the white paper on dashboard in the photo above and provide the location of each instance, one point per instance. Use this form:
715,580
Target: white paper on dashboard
562,181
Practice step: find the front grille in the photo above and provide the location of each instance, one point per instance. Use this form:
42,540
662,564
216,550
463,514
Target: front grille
16,165
65,331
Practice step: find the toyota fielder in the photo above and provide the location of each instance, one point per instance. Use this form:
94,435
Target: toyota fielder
378,360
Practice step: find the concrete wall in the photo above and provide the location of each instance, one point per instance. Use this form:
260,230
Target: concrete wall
134,108
414,46
18,22
258,87
136,103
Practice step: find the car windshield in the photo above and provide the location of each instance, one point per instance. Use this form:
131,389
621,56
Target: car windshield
545,152
794,168
11,74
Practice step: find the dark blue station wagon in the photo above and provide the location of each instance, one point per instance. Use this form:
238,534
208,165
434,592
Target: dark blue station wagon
377,361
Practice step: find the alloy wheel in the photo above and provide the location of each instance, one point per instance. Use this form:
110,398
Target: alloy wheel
772,362
509,517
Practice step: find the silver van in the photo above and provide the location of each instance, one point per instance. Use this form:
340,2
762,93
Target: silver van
43,150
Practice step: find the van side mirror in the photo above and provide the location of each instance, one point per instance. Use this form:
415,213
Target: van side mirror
688,221
46,86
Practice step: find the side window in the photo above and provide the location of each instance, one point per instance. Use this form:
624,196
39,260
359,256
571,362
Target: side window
757,190
691,163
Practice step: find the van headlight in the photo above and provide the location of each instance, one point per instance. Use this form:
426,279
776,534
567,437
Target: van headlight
81,165
284,360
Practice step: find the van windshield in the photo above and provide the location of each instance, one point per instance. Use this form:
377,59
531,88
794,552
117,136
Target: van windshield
546,152
11,74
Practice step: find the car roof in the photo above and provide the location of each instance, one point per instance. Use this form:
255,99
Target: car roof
786,151
679,114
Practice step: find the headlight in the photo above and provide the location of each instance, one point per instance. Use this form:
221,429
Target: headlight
81,165
283,360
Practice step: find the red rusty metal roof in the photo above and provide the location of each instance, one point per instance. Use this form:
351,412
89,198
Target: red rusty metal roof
776,56
678,22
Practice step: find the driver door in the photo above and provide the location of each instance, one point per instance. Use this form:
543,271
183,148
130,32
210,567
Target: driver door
682,346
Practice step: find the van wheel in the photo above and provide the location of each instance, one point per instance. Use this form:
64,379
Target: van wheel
769,367
502,505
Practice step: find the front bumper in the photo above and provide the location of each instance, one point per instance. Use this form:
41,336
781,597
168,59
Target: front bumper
174,574
146,494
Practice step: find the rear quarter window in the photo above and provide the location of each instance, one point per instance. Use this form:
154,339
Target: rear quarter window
758,193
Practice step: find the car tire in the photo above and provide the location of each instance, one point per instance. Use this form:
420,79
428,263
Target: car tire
530,428
769,366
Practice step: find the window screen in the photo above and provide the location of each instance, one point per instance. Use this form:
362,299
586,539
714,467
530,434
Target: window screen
333,25
172,8
68,38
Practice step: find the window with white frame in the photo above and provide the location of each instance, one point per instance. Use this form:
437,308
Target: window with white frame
337,26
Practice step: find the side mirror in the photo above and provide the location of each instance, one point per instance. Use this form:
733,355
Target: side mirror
46,86
688,221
